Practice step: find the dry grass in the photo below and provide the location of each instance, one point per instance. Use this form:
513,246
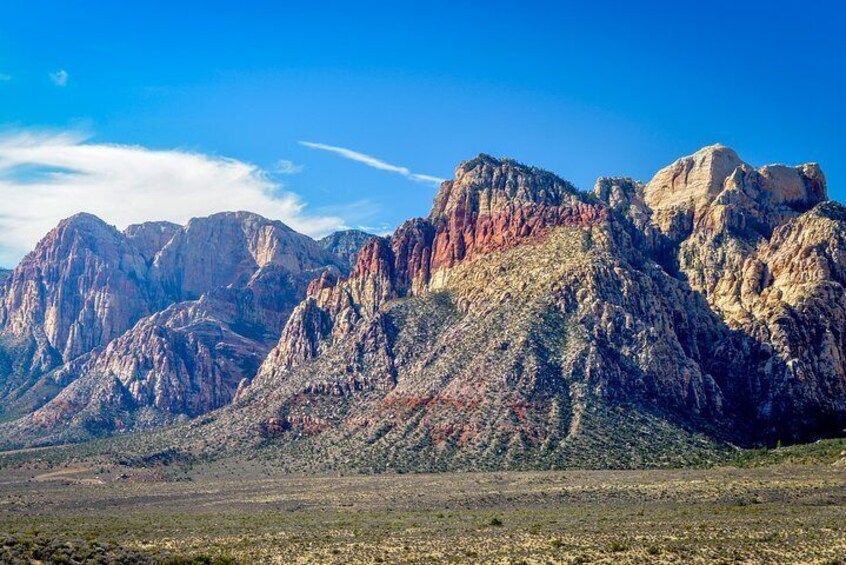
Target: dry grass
249,511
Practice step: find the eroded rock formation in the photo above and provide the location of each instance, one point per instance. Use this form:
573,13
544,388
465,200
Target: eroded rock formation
523,323
160,318
711,295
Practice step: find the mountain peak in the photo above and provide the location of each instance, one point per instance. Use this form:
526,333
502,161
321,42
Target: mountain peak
80,231
716,186
487,185
345,244
520,303
84,221
701,176
803,186
696,178
486,160
241,217
718,148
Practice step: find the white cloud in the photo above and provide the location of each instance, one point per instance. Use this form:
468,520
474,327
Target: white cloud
427,178
384,230
46,177
372,162
59,78
286,167
5,78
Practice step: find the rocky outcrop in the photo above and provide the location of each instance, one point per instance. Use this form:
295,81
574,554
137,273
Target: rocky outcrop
345,244
741,218
181,362
532,357
792,295
491,206
720,223
82,286
150,237
678,194
227,249
334,306
412,246
86,283
521,315
170,319
522,324
494,204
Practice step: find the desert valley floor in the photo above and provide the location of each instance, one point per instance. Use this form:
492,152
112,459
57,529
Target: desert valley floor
776,506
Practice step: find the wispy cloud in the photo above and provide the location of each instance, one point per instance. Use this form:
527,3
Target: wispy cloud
286,167
374,162
384,229
5,77
45,177
59,78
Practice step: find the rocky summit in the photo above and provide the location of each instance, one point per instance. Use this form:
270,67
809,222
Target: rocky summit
521,324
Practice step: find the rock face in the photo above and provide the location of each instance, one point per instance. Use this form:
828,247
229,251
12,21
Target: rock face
522,324
345,244
713,190
150,237
734,233
228,249
82,286
493,205
679,194
161,319
526,324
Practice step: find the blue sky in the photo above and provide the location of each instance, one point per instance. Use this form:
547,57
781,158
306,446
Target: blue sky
583,89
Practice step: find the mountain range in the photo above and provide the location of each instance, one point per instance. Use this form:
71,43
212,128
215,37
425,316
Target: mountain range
522,324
